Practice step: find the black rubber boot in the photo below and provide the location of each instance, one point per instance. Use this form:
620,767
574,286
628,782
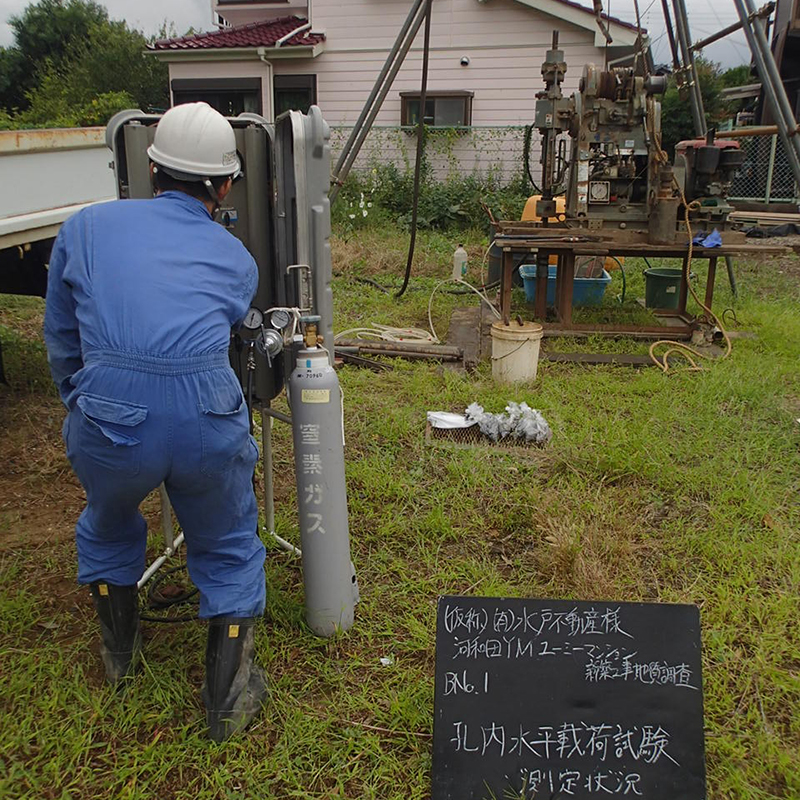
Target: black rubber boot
118,610
235,687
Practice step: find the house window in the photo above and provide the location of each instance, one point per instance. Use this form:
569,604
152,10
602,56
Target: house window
294,92
229,96
445,109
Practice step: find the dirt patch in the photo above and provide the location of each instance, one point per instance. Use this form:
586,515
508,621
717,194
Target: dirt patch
783,265
40,496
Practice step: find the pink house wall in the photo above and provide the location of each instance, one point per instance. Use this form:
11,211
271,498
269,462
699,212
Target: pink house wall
504,40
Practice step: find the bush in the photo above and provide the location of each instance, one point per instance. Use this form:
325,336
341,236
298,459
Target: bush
459,202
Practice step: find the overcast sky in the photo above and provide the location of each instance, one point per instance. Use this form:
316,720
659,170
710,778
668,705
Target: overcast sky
705,17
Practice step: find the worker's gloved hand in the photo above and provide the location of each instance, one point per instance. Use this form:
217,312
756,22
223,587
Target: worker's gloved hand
704,239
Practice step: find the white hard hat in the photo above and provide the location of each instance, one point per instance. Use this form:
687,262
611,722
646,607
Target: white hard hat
193,141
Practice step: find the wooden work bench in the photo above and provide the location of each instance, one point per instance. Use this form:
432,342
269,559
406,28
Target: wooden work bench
571,243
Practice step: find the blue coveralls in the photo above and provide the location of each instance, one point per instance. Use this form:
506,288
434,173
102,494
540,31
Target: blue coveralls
141,299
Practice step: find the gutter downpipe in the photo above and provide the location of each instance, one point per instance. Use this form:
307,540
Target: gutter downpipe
285,38
266,96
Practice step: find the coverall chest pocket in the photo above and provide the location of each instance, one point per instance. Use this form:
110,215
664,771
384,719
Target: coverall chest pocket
224,430
108,433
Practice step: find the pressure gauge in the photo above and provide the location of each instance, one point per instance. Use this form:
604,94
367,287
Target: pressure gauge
599,191
280,319
253,320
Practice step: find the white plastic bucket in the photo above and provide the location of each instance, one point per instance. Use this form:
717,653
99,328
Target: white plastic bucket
515,351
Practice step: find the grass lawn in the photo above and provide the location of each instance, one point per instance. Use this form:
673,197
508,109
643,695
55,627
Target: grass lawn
674,488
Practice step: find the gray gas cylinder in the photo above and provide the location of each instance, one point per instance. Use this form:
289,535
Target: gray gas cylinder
328,574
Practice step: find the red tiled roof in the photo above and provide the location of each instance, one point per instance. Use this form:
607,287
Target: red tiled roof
254,34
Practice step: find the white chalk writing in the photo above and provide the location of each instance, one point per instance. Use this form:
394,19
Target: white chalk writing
471,620
604,741
460,683
558,783
572,623
613,665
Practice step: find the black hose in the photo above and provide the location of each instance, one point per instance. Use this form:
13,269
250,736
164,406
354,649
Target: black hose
423,93
157,602
526,157
371,282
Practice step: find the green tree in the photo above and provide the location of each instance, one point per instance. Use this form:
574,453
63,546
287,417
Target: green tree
737,76
43,33
97,73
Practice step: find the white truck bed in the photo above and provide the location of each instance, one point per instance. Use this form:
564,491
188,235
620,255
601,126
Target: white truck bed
48,175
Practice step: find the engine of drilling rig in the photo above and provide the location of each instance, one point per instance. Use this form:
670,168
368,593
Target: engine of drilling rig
613,171
705,168
615,175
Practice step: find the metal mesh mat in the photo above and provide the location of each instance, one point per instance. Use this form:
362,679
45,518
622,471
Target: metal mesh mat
472,437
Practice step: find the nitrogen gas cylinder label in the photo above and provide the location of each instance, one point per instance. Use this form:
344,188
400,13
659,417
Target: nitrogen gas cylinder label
316,396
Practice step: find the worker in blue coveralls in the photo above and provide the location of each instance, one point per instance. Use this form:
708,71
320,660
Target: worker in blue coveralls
141,299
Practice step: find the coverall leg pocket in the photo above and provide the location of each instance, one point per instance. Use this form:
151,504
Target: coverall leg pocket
224,435
106,438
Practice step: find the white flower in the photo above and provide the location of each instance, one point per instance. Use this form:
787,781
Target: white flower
364,213
369,205
352,216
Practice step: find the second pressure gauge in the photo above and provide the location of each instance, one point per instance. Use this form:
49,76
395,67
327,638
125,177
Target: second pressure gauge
280,319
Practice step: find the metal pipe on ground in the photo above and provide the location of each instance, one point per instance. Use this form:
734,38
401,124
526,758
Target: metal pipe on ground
399,354
401,347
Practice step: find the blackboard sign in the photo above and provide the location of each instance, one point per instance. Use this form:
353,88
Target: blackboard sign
553,699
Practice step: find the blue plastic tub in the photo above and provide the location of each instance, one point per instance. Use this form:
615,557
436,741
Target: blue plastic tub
585,291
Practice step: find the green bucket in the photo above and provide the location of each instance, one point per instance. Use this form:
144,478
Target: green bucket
662,287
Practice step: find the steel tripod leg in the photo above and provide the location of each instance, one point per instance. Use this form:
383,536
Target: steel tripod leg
731,276
266,448
269,495
166,517
171,542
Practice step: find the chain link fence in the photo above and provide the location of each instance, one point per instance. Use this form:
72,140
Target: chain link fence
498,153
765,176
495,152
